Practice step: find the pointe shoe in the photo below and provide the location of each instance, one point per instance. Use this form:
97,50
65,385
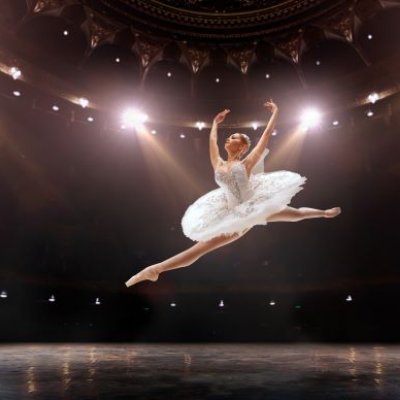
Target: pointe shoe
332,212
146,275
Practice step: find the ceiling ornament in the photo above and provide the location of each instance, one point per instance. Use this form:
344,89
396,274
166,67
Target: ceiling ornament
242,58
195,57
98,30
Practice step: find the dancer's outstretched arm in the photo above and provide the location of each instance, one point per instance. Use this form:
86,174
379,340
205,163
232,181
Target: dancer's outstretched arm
214,151
254,156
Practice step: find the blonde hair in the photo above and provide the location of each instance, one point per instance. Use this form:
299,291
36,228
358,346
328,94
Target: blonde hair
245,139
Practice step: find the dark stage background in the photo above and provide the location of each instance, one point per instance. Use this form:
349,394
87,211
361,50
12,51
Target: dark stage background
84,204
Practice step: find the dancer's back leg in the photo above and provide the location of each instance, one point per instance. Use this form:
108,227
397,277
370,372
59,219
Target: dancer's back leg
183,259
290,214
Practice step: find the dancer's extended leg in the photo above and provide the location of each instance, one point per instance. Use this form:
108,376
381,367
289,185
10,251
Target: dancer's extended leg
183,259
290,214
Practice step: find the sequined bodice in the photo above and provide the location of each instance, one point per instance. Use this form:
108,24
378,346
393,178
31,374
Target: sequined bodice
234,183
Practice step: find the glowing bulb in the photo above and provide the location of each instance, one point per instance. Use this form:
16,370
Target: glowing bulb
318,62
90,119
370,113
182,136
310,118
200,125
55,108
117,60
52,298
15,73
267,76
154,132
83,102
16,93
217,80
373,98
169,74
272,303
370,37
335,123
221,303
132,118
349,298
173,304
97,302
3,294
65,33
254,125
274,132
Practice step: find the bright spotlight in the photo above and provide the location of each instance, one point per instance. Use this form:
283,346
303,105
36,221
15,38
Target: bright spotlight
272,303
52,298
83,102
274,132
65,33
370,113
3,294
132,118
154,132
16,93
55,108
97,302
310,118
90,119
373,98
335,123
349,298
182,136
15,73
200,125
254,125
370,37
221,304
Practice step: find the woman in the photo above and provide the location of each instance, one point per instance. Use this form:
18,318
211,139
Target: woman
245,198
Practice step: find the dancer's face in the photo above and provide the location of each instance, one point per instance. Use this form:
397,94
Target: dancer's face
235,143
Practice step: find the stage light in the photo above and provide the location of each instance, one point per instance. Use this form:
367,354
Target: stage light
370,37
221,303
16,93
349,298
132,118
318,62
310,118
15,73
90,119
370,113
217,80
173,304
169,74
55,108
154,132
52,298
274,132
182,136
83,102
117,60
373,97
254,125
267,76
335,123
3,294
272,303
65,33
97,302
200,125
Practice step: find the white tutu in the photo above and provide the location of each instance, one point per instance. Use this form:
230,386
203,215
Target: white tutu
240,202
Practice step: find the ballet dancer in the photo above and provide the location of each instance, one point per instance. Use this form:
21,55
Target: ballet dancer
247,196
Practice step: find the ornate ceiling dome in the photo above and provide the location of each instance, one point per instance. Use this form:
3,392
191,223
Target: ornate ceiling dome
216,20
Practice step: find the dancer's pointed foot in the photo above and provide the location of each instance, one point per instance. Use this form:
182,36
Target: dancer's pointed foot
148,274
332,212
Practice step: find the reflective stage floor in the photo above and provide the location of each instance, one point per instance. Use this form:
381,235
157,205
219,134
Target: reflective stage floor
199,371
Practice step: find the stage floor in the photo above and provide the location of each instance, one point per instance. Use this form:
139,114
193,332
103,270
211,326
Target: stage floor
199,371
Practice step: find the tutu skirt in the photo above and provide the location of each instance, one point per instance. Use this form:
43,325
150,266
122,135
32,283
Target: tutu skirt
210,215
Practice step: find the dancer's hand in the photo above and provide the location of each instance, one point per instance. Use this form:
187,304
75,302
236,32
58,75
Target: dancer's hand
221,116
271,106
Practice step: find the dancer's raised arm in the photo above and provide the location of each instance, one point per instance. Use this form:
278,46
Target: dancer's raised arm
251,160
214,151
